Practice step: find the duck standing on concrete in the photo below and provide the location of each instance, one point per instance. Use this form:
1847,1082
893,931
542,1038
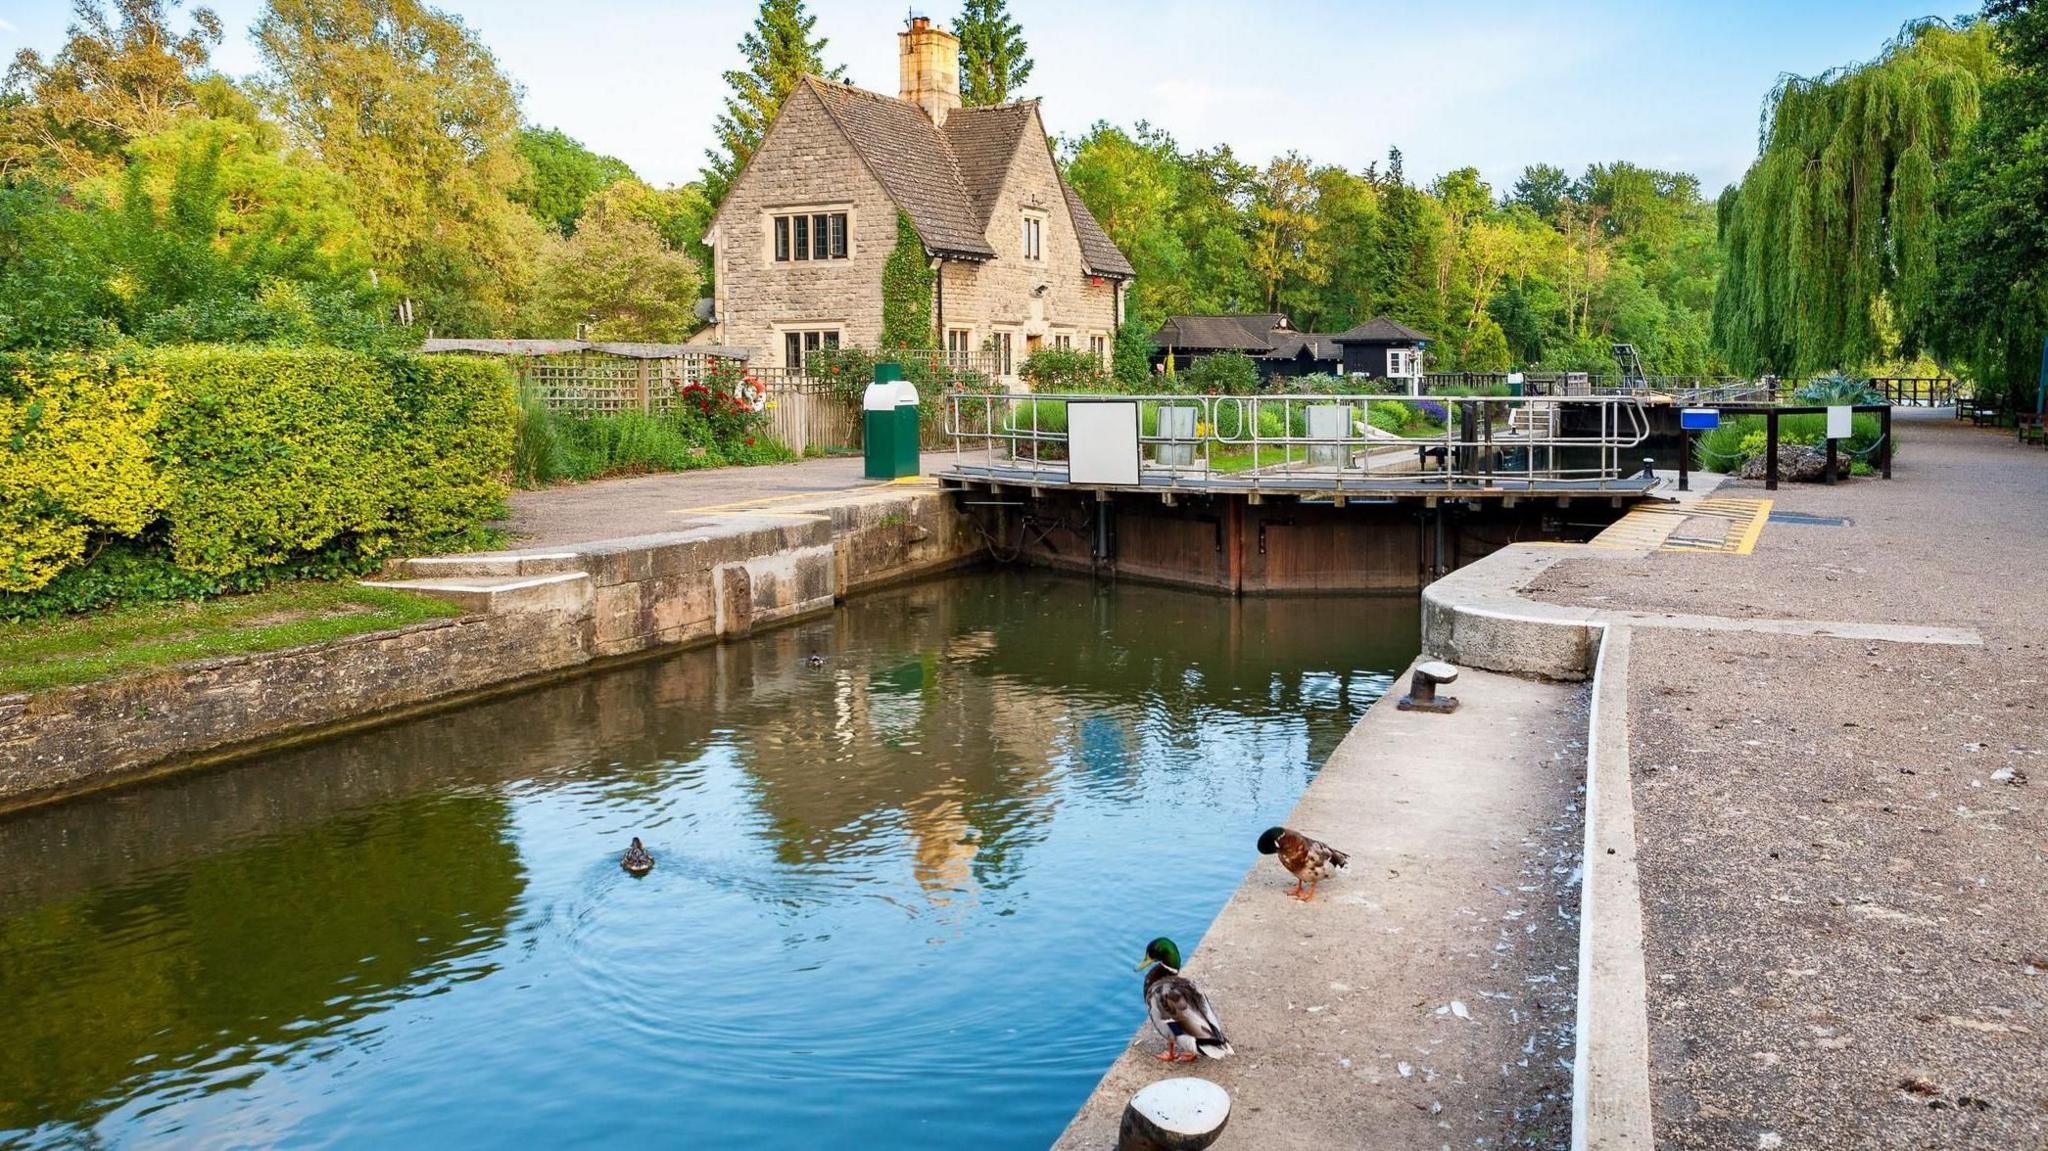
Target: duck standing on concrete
637,862
1311,860
1178,1008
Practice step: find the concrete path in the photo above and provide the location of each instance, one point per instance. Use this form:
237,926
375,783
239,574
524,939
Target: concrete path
1841,842
649,505
1425,999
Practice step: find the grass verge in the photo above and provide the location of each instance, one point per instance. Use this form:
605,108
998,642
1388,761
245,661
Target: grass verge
80,649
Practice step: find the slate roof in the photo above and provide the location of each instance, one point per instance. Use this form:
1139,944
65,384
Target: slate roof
1381,330
1253,333
912,159
1320,346
1099,254
983,142
949,179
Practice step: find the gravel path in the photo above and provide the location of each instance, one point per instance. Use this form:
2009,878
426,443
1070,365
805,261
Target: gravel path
1844,846
646,505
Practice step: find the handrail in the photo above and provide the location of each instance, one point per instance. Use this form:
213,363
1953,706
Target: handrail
1248,441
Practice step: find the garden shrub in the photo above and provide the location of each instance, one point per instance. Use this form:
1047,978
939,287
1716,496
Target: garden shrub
1224,373
1065,370
238,465
1738,440
78,460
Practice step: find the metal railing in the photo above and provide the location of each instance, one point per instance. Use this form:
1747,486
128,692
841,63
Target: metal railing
1253,442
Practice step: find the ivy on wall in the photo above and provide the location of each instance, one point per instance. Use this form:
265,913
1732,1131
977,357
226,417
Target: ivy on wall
907,291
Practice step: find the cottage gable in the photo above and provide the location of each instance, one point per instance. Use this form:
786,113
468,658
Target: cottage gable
1019,261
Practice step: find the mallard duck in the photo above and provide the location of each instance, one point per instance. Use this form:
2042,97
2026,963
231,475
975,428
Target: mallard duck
1178,1008
637,861
1311,860
816,661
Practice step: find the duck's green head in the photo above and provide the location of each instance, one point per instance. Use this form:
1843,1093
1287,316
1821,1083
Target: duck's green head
1270,841
1161,950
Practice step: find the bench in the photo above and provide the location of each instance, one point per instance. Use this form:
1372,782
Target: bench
2030,429
1976,411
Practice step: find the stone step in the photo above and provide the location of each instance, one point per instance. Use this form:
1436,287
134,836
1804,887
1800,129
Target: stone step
484,564
499,594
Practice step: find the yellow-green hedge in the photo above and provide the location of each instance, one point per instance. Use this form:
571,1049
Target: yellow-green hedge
239,458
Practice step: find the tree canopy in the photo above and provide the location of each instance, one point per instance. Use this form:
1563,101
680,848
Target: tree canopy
118,77
406,103
1989,307
562,175
1828,240
994,63
1549,275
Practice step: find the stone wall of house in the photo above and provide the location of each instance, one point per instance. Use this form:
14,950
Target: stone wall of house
998,295
803,163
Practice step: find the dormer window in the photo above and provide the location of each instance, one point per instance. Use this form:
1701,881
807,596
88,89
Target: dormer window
810,236
1034,237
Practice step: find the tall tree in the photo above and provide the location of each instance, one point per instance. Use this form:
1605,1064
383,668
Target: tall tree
1542,188
561,176
615,276
406,104
1990,307
779,51
993,62
1828,239
117,78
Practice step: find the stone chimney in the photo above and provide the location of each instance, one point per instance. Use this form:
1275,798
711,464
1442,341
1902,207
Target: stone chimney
930,59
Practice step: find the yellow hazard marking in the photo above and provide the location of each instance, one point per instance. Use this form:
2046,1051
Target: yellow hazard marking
1655,527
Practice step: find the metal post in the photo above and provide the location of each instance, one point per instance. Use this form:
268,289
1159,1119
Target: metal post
1684,459
1829,475
1884,432
1771,450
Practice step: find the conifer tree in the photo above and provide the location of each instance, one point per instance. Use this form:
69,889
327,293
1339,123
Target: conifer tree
779,50
993,63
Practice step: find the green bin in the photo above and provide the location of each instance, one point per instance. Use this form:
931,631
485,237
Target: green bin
889,419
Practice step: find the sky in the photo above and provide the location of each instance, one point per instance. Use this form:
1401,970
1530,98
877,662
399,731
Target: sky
1487,83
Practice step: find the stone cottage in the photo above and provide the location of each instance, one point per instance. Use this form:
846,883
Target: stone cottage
800,241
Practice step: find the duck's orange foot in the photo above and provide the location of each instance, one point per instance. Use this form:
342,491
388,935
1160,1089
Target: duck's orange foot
1190,1057
1167,1056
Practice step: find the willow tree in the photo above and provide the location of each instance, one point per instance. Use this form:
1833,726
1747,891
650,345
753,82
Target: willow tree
1828,240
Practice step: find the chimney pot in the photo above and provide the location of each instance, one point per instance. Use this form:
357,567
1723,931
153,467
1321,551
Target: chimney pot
930,68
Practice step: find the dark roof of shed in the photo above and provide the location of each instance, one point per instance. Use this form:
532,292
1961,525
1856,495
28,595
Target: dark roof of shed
1320,346
1381,330
1248,333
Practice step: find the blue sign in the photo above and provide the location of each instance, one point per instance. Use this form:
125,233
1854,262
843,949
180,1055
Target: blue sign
1699,419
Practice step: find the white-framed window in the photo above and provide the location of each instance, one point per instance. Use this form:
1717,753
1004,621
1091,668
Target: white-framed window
959,343
1064,341
1400,362
1000,346
1034,237
810,236
796,345
1098,346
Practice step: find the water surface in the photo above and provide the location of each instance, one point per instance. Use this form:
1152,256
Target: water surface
897,901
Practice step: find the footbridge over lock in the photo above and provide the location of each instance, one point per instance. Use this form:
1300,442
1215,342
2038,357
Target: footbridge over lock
1290,492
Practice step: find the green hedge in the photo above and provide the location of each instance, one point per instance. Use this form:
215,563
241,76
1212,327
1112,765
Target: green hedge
210,466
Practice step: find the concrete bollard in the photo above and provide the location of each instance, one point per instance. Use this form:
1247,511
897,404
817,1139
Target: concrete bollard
1179,1114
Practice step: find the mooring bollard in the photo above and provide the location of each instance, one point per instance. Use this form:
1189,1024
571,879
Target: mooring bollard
1422,686
1180,1114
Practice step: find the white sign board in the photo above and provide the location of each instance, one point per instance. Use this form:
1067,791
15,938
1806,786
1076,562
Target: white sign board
1840,426
1102,443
